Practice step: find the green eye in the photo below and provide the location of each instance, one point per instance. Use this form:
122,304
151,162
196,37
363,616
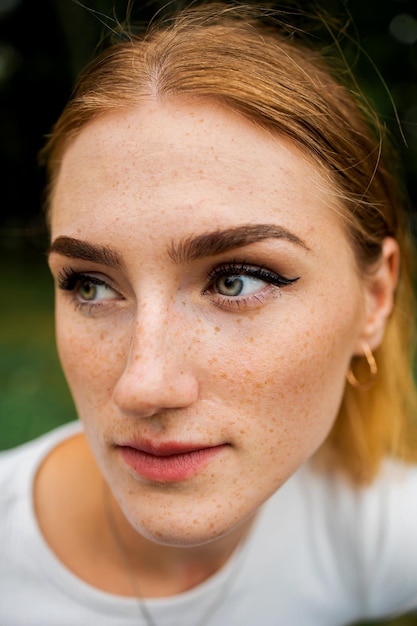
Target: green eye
238,285
87,290
91,290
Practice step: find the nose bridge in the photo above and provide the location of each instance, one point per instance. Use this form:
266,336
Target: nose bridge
158,371
153,334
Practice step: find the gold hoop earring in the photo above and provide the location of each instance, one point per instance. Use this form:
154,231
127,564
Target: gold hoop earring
373,370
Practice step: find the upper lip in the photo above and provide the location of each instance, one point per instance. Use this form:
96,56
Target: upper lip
165,448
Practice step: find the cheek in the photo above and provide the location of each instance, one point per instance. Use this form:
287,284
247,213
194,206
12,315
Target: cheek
91,358
292,377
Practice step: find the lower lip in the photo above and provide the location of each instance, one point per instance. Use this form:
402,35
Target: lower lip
172,468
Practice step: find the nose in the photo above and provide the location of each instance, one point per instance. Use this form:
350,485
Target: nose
158,374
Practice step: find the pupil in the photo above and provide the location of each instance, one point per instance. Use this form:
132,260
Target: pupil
87,291
232,284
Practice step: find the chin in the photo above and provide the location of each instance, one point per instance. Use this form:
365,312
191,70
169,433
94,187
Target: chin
188,529
185,535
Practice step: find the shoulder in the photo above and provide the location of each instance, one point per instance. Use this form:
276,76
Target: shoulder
18,465
21,545
378,519
353,550
385,529
374,529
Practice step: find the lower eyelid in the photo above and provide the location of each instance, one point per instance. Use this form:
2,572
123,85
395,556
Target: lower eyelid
91,308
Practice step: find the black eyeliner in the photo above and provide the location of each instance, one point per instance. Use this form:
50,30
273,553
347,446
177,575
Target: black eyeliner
253,271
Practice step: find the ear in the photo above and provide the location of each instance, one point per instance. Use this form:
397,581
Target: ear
379,289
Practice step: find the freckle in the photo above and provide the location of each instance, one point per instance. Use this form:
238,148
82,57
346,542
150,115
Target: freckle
238,321
251,339
217,329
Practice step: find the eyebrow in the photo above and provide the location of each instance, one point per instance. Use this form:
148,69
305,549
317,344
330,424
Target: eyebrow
190,249
78,249
218,241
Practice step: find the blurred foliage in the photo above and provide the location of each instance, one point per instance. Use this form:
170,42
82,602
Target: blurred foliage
34,395
43,46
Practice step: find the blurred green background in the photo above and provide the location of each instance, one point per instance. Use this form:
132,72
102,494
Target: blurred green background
43,46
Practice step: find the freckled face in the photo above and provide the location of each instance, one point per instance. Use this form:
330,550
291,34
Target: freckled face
206,369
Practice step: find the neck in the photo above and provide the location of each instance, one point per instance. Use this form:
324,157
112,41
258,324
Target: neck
162,570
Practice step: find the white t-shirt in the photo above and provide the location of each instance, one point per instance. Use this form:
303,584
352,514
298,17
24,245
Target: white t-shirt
321,553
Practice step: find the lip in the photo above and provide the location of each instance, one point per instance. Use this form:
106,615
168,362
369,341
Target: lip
168,462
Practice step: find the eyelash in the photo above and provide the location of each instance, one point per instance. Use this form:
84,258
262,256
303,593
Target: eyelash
252,271
69,279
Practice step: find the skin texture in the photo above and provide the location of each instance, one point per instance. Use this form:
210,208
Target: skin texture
161,355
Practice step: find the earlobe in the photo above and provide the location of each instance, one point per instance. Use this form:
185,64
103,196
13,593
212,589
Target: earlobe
379,295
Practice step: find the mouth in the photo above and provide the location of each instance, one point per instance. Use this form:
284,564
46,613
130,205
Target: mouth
169,462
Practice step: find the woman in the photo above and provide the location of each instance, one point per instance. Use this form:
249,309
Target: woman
233,310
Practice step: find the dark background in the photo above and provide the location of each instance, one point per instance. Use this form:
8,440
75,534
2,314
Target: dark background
43,46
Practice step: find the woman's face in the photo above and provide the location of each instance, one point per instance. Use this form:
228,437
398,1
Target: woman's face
207,310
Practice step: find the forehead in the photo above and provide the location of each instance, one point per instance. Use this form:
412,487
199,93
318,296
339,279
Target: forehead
181,157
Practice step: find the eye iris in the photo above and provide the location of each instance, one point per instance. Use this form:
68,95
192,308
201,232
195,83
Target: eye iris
230,285
87,290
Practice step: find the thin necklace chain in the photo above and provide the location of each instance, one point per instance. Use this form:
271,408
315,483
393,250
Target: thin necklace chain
114,531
